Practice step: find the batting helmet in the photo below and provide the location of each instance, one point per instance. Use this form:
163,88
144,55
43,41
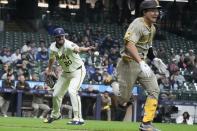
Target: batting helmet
58,32
149,4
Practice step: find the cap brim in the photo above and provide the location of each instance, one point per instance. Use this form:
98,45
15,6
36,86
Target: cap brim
60,35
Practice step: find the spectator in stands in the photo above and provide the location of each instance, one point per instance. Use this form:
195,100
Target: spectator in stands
42,45
191,55
98,34
25,70
42,75
88,31
111,68
181,63
42,55
38,103
185,118
34,49
9,81
177,79
4,70
90,69
161,53
107,44
97,77
8,73
22,84
28,63
26,47
6,97
6,58
91,60
164,83
3,51
114,55
189,63
30,58
19,62
16,56
172,66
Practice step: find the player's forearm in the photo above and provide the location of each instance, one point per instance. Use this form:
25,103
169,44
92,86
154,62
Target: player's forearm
84,49
133,52
50,64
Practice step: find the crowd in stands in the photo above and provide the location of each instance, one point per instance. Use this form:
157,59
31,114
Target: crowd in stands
31,60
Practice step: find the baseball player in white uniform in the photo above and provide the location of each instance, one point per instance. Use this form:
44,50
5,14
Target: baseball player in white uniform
66,53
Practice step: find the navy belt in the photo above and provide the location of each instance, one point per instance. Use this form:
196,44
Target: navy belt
76,69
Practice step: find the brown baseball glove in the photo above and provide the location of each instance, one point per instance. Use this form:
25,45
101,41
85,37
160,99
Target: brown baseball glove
50,80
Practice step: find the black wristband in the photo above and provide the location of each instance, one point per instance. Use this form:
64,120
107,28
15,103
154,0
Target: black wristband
151,54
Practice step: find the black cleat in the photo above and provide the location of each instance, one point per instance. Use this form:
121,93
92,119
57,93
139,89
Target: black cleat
50,119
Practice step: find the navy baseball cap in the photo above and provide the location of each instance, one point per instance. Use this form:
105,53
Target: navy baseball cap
58,32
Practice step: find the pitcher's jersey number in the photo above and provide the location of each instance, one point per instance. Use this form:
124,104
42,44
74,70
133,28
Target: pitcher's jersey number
65,59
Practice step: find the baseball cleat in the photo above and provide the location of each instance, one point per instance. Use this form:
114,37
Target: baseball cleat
75,123
50,119
148,127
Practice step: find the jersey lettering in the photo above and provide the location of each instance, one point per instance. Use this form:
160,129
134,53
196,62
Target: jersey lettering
64,58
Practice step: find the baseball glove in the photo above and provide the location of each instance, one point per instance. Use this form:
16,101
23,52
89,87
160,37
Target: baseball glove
158,63
50,80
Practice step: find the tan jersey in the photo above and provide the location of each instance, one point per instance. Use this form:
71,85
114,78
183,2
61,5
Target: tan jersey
66,57
140,34
106,101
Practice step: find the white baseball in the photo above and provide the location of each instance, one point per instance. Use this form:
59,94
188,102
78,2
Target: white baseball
96,53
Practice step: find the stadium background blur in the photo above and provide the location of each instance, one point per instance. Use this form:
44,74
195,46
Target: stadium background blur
26,28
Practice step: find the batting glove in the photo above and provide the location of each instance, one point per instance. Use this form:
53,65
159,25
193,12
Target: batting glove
158,63
145,69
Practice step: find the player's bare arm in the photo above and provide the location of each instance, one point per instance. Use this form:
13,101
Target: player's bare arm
50,64
83,49
135,55
133,51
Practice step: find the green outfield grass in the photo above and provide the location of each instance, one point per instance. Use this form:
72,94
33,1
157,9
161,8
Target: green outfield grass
31,124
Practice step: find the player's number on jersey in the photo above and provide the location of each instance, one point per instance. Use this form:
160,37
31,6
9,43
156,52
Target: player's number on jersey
67,61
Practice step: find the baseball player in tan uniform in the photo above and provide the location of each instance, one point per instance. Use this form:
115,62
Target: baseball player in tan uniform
66,53
132,66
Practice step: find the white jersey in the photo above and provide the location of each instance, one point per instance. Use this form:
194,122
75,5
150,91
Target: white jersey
66,57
